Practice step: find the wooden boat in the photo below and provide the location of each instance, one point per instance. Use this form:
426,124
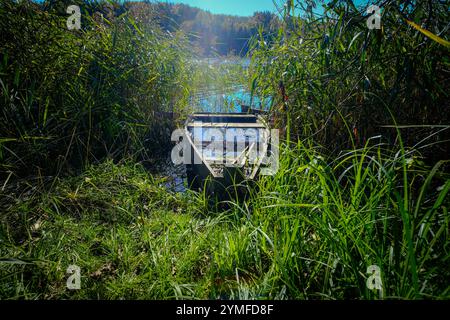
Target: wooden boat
226,151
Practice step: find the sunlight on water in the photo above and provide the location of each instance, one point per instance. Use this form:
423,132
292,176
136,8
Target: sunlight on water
231,101
228,98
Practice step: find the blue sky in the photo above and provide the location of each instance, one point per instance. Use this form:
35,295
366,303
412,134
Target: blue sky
234,7
238,7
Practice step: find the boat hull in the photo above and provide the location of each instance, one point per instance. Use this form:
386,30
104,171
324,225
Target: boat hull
210,172
233,183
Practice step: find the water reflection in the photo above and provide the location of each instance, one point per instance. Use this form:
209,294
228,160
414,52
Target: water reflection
230,100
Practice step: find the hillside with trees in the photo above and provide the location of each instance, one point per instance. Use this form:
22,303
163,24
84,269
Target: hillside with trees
212,34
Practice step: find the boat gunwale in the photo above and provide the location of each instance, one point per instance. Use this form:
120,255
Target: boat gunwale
259,123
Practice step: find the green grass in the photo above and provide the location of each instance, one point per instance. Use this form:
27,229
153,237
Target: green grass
329,221
363,176
310,232
131,238
339,76
70,98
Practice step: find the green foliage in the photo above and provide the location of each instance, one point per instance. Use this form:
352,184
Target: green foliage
70,97
350,192
323,223
131,238
340,77
311,231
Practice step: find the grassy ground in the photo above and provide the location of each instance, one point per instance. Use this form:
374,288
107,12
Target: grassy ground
341,202
305,233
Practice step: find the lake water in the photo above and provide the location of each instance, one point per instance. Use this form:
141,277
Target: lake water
229,99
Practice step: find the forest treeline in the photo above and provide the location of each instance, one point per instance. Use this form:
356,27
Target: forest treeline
211,34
